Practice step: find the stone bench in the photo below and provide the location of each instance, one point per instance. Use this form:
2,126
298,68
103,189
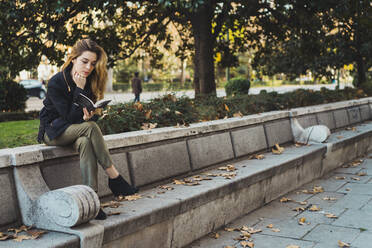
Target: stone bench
155,156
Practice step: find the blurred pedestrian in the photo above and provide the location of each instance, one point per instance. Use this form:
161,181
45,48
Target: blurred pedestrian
136,87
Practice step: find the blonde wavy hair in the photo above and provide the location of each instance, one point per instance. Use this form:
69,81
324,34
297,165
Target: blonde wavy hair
99,74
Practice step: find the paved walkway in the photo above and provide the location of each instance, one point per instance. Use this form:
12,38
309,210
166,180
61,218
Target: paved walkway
334,211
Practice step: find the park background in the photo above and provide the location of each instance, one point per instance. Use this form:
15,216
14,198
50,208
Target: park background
198,45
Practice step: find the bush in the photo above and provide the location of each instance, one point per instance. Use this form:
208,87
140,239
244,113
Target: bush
237,86
17,116
121,86
152,86
13,96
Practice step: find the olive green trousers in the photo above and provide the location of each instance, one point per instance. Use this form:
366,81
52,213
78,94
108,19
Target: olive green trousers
88,140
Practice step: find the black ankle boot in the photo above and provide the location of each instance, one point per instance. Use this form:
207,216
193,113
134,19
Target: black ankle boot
101,215
119,187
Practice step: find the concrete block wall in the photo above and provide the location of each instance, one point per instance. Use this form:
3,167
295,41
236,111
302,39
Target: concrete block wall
146,157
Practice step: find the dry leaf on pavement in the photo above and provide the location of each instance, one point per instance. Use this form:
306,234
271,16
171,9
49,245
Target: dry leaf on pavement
331,216
110,204
20,238
314,208
238,114
340,178
113,213
228,167
292,246
132,197
275,230
285,199
167,187
327,198
342,244
247,244
361,174
148,114
36,233
277,149
355,178
299,209
302,221
270,226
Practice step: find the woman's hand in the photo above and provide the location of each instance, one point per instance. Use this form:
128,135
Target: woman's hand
79,80
87,115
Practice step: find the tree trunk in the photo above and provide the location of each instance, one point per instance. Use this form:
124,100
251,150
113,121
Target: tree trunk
204,80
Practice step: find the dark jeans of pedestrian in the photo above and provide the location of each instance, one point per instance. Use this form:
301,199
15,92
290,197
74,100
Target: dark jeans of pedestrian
137,97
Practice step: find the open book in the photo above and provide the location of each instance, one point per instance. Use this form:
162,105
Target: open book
84,102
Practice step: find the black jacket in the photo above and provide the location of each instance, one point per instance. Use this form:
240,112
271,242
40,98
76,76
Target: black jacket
59,110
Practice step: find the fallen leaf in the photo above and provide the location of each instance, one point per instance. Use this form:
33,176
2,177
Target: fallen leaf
258,156
167,109
111,204
302,221
302,203
160,192
356,162
270,226
285,199
148,114
342,244
148,126
314,208
275,229
340,137
231,229
229,167
177,112
331,216
318,189
340,178
6,236
20,229
247,244
292,246
132,197
355,178
36,233
226,108
138,106
215,235
20,238
347,189
229,246
277,149
327,198
178,182
228,175
362,174
298,144
239,114
167,187
245,235
299,209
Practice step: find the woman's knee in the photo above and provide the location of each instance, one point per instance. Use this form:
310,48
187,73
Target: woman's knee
82,143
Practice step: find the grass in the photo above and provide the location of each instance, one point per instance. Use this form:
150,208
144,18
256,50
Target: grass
18,133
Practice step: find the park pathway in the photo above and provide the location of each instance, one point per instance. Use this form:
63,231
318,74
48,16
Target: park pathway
334,211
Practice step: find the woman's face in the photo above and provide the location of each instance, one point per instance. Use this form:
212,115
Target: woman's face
85,63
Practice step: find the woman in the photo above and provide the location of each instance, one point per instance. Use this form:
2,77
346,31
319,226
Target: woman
63,122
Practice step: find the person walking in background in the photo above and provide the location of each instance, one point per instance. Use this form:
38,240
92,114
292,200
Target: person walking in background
64,123
136,87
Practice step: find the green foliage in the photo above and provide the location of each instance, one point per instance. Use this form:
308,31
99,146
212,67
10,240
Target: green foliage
17,116
170,111
152,86
13,96
121,86
237,86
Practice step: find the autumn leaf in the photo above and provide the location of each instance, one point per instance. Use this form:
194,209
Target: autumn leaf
347,189
355,178
331,216
239,114
36,233
20,238
226,108
167,109
229,167
215,235
247,244
292,246
5,236
111,204
148,114
258,156
148,126
302,221
228,175
285,199
299,209
314,208
177,112
361,174
138,106
277,149
178,182
132,197
167,187
229,246
340,178
339,137
270,226
327,198
275,230
342,244
229,229
356,162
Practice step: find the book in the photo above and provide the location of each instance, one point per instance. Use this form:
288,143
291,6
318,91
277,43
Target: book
84,102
